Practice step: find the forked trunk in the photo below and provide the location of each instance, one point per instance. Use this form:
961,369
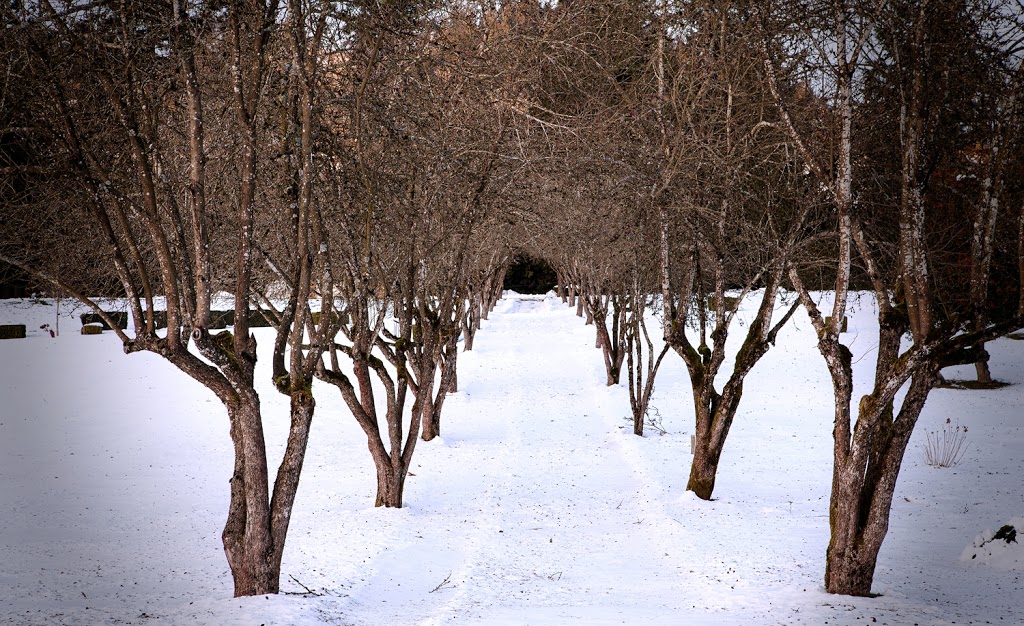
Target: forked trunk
613,355
449,384
611,342
641,382
614,373
863,483
707,450
714,416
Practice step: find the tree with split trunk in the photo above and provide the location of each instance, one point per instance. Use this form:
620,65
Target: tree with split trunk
606,309
641,374
368,269
153,118
485,269
1000,126
917,336
410,186
453,164
709,180
597,245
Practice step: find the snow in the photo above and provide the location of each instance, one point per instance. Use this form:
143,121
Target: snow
1004,552
537,506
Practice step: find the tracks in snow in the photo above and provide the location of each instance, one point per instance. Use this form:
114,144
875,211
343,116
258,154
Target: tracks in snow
568,519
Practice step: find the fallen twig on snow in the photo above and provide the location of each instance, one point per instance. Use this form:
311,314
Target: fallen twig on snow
445,584
307,592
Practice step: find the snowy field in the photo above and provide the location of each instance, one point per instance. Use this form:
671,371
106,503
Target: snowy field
537,506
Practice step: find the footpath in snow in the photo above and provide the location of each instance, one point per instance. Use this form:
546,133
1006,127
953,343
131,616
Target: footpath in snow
536,506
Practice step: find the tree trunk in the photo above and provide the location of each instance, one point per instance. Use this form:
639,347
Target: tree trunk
246,536
849,572
451,367
470,323
714,415
640,389
483,311
1020,263
614,373
610,343
390,483
981,367
864,480
704,468
286,484
449,384
431,422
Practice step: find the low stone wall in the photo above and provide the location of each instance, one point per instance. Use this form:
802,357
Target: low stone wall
12,331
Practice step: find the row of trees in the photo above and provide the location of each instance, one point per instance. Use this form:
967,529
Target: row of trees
363,174
769,150
285,154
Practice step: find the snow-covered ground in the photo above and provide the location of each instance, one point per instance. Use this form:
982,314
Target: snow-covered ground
538,505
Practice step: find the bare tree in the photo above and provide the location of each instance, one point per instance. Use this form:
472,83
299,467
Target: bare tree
868,452
153,117
641,375
725,224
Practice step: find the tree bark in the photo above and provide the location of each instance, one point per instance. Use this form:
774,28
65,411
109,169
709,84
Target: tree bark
714,417
703,470
390,484
470,327
865,481
246,537
431,426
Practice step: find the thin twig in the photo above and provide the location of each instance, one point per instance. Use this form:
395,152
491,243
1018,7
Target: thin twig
299,593
446,583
